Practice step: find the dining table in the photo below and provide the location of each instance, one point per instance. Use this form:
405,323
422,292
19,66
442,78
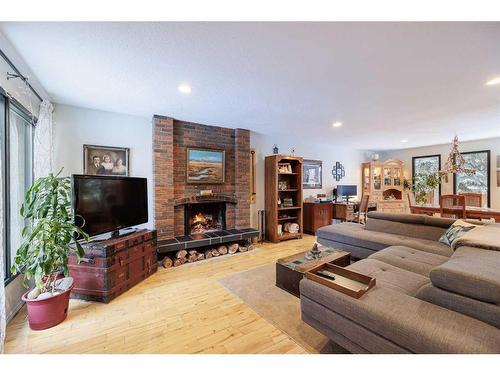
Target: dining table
471,212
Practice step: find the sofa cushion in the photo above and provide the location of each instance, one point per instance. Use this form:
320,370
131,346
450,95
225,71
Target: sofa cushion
455,231
356,235
471,272
389,276
484,311
409,259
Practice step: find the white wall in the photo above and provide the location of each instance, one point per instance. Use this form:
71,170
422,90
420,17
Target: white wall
492,144
74,127
327,153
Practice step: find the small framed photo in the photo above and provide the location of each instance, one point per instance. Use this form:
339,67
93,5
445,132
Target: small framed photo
205,166
105,160
312,174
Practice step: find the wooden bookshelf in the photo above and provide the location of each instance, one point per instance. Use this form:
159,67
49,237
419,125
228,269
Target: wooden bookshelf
276,193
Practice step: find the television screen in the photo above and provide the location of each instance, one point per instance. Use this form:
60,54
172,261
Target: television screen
347,190
108,203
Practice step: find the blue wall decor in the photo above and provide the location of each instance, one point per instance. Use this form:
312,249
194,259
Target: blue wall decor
338,171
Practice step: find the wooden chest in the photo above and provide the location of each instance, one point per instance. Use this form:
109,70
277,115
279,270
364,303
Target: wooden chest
113,266
317,215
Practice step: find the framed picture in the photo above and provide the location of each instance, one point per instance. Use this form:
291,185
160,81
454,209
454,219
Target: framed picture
105,160
312,174
205,166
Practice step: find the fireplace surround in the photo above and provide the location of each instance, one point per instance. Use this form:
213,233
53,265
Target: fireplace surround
172,193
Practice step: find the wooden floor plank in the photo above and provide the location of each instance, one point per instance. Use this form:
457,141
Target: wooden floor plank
177,310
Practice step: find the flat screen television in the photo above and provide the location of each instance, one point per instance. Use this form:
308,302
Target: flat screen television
347,190
103,204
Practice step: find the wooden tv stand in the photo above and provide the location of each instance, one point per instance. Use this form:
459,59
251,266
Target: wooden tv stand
113,266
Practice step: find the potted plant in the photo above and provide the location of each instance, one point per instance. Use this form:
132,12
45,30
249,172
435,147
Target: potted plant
423,184
43,254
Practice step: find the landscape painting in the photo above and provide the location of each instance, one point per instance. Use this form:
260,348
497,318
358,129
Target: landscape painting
205,166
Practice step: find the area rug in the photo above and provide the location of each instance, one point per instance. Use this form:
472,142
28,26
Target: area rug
257,289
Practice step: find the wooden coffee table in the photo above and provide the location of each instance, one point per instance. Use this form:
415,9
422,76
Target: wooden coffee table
290,270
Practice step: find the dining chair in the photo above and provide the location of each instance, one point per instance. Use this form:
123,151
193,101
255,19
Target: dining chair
473,199
452,205
363,209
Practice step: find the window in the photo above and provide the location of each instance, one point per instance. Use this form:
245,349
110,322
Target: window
17,172
427,165
478,182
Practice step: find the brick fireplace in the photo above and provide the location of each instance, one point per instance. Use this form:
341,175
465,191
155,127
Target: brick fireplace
174,198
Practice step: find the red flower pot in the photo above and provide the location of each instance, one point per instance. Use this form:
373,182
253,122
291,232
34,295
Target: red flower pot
48,312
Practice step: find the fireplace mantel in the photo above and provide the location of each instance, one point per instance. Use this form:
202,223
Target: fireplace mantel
213,198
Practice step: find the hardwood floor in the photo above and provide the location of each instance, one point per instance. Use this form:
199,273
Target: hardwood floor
179,310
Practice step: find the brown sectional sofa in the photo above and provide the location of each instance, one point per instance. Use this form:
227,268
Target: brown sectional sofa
428,298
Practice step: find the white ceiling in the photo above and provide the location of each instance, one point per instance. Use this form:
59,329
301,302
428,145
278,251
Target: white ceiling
384,81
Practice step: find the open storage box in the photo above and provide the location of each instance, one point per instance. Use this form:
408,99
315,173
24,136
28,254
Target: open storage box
352,283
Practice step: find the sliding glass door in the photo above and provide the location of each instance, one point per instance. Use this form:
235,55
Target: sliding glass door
17,173
478,182
426,165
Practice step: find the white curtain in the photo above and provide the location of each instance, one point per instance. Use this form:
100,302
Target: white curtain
2,286
43,144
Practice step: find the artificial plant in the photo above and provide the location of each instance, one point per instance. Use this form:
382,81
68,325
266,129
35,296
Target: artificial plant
48,233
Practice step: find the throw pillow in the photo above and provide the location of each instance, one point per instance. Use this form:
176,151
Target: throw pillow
456,230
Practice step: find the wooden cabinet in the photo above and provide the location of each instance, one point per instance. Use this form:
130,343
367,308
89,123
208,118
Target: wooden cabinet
384,182
283,189
317,215
111,267
382,179
396,206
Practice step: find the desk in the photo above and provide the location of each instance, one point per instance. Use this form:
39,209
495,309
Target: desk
471,212
344,211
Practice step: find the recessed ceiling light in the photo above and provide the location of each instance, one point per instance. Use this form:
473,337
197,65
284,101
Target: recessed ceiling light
404,140
184,88
494,81
337,124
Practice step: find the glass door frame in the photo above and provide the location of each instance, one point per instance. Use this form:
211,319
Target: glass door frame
7,104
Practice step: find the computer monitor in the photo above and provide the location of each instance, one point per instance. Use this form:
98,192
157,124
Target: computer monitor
347,191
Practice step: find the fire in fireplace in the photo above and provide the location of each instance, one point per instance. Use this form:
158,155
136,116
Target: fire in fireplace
204,217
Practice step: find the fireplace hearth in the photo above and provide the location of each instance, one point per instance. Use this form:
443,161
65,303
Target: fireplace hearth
204,217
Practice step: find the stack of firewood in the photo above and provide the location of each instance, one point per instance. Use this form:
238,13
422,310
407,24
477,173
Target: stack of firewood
190,256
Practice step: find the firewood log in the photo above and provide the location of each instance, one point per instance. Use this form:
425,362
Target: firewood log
167,262
215,253
181,254
222,250
178,262
193,252
243,249
208,254
233,248
201,256
192,258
